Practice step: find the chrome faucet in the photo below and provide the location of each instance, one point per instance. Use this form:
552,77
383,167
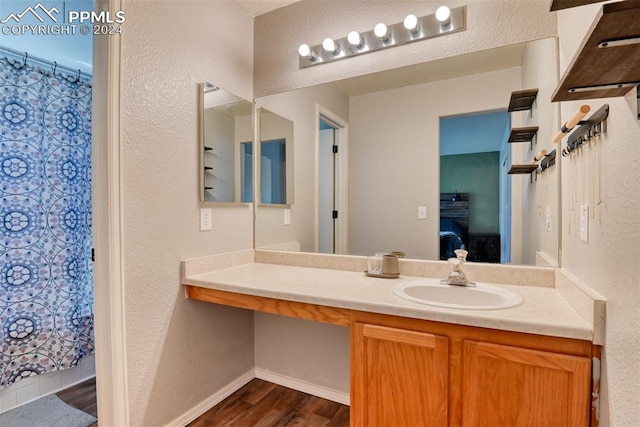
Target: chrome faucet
457,276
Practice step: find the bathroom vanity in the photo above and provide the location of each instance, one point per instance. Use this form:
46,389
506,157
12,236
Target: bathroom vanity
415,364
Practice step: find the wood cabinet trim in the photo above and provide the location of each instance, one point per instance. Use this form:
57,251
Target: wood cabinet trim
319,313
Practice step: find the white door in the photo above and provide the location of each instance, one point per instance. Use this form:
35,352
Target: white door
326,197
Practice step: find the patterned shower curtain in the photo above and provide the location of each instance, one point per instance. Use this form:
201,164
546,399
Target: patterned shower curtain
46,274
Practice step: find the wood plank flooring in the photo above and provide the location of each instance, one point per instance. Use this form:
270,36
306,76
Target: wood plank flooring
82,396
257,404
263,404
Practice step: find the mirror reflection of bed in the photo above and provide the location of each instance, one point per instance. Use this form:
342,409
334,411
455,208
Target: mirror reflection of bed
454,223
454,231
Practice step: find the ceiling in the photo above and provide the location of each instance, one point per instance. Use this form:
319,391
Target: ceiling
259,7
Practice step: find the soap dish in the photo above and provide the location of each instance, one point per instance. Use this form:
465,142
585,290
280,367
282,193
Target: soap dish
382,275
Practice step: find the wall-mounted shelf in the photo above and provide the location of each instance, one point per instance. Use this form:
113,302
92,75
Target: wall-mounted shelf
566,4
608,61
522,169
522,100
525,134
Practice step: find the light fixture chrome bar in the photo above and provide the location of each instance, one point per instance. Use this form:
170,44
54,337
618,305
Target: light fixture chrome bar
619,42
602,87
428,27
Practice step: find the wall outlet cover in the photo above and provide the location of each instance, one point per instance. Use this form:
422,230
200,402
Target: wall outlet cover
547,218
584,223
206,219
422,212
287,217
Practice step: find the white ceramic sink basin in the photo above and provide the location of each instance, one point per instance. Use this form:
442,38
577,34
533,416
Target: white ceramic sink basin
480,297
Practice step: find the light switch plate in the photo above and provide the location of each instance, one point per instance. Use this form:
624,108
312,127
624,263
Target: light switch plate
422,212
206,220
584,223
287,217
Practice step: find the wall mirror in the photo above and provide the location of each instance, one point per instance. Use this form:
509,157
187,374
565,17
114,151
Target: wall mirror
226,135
379,158
275,151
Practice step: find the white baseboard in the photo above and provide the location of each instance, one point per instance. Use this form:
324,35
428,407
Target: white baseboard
213,400
303,386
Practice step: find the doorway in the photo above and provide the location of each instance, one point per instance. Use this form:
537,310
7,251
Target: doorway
331,143
474,195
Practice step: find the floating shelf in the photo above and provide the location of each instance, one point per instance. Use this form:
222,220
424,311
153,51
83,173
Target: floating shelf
522,169
522,100
602,72
566,4
525,134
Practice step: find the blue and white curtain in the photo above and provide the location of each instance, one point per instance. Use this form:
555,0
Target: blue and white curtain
46,275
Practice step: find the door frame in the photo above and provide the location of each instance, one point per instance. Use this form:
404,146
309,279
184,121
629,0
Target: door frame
107,219
341,127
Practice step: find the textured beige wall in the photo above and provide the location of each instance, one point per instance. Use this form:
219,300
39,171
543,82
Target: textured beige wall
179,352
490,23
609,263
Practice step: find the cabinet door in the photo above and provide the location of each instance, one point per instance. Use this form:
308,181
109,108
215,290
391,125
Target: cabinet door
399,377
511,386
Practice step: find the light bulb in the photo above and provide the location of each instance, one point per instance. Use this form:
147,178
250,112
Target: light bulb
411,23
304,50
381,31
355,39
330,46
443,14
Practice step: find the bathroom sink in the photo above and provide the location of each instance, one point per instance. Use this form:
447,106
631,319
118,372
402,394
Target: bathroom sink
479,297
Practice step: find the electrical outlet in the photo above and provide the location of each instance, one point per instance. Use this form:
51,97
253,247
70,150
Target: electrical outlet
584,223
287,217
547,218
206,220
422,212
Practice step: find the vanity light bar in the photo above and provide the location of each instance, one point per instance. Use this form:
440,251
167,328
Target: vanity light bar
397,34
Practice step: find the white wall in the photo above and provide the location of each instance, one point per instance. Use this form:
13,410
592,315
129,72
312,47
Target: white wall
179,352
219,129
609,262
401,127
490,23
540,207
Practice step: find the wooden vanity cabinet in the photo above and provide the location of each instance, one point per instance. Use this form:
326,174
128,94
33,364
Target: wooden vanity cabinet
399,377
408,372
512,386
416,373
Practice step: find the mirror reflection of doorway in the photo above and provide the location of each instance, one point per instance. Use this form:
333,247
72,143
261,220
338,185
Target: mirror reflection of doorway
474,194
327,210
332,201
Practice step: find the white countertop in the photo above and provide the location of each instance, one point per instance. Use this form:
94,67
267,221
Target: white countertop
544,311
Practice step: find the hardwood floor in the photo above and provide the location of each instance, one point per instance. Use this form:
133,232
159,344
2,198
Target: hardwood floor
263,404
82,396
257,404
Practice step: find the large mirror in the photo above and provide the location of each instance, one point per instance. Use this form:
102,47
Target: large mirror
380,159
226,135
